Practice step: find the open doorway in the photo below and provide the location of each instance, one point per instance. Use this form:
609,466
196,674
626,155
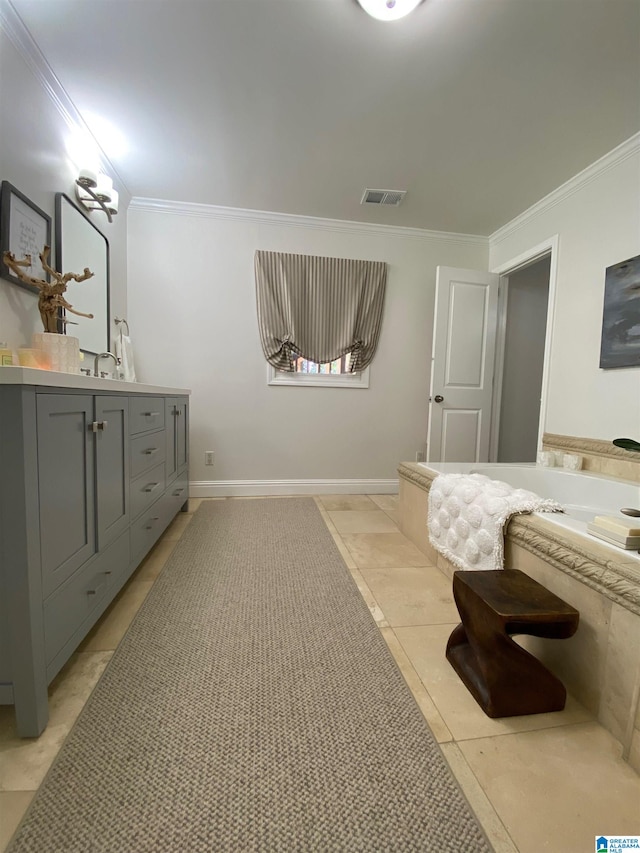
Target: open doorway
520,359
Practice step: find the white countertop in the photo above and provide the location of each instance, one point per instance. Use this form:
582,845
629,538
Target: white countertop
51,379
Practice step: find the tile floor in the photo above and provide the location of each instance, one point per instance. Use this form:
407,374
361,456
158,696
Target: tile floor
549,782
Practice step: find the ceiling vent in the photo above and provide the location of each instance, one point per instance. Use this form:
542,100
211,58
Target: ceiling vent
392,197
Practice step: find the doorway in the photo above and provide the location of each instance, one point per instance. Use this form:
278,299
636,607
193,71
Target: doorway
472,354
522,329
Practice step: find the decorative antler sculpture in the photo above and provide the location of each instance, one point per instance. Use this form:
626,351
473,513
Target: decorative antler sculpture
51,299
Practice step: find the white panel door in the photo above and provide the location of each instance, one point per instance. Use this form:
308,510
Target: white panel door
462,364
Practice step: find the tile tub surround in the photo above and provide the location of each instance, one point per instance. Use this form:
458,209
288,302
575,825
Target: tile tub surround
600,665
598,457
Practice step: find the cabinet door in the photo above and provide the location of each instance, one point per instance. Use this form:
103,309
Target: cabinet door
182,434
66,484
112,467
177,433
170,430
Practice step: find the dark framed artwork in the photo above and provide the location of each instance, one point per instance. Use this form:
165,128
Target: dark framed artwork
620,346
24,230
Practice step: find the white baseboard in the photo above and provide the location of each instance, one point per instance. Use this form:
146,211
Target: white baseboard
248,488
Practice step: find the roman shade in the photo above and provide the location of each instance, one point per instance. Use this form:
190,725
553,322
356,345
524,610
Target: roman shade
318,308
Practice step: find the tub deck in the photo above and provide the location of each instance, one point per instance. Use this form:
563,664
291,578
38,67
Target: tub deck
600,665
583,495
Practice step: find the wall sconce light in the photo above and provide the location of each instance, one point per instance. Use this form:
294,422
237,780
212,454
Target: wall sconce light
388,10
95,191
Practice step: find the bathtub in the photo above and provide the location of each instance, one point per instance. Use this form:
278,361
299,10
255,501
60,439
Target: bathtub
582,495
600,664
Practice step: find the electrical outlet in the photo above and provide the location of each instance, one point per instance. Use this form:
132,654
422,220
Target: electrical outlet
208,457
419,455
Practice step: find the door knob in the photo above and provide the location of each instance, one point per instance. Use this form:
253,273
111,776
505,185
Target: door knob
438,398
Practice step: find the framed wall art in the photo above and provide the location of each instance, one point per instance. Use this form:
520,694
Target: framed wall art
620,345
24,230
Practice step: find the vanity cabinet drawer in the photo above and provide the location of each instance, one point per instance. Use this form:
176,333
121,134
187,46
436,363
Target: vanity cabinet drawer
146,529
146,489
176,495
74,602
147,451
146,413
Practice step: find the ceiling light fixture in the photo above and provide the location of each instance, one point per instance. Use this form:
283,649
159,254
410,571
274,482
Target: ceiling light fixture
388,10
95,191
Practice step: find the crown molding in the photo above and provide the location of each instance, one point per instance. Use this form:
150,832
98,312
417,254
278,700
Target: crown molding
211,211
618,155
24,43
18,34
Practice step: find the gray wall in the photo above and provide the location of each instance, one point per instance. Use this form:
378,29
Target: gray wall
528,293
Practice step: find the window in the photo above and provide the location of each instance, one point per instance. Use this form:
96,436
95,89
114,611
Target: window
340,365
334,374
321,307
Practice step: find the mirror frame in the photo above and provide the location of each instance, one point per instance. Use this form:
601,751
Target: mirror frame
60,199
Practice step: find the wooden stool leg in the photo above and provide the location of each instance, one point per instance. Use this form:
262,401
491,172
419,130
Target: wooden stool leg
504,679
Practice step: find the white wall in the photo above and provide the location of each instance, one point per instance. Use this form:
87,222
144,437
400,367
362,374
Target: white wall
598,223
192,309
34,159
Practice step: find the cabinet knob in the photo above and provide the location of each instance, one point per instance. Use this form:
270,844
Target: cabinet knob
151,450
150,487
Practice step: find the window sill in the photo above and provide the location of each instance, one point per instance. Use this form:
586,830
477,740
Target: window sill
318,380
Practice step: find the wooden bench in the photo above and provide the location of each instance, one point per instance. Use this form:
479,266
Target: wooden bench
505,679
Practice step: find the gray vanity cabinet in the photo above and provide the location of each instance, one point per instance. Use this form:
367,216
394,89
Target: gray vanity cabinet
72,530
83,477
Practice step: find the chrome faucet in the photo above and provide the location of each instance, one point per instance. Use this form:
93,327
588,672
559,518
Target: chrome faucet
97,359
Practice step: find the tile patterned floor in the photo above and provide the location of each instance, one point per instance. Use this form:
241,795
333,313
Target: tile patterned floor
547,782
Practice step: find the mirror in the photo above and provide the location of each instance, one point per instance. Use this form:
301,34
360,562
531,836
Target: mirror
80,244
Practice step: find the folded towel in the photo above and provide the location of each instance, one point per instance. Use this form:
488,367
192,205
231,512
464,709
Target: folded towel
124,351
467,515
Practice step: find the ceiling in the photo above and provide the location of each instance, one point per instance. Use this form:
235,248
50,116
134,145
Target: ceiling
478,108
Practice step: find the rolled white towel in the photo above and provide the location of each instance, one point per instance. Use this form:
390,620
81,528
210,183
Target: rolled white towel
124,352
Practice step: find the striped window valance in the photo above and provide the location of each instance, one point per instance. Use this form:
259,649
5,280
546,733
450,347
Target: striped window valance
318,308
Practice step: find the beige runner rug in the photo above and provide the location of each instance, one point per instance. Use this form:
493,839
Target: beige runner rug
252,706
